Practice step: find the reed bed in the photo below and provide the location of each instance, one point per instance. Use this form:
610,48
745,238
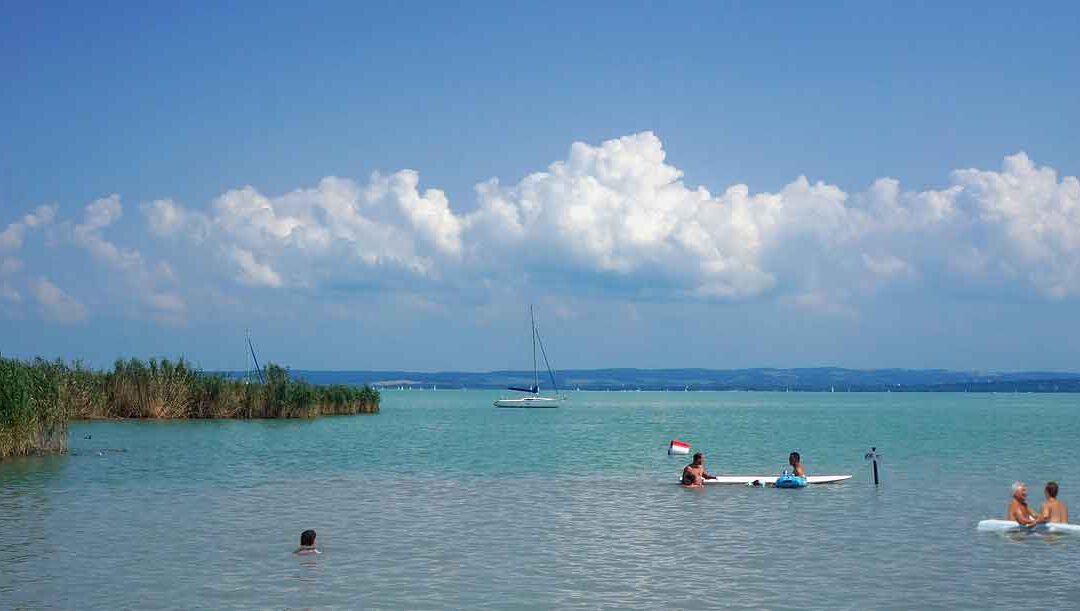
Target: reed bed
33,416
38,398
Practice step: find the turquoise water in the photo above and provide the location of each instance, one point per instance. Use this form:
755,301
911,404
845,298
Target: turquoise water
442,501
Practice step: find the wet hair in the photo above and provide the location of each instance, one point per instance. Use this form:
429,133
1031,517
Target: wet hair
307,538
794,456
698,456
1051,489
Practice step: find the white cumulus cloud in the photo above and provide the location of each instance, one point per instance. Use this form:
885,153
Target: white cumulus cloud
99,215
12,237
613,219
146,284
1024,224
56,305
336,232
252,272
617,217
166,219
619,211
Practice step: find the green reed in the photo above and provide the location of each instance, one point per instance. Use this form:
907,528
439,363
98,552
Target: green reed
37,398
33,415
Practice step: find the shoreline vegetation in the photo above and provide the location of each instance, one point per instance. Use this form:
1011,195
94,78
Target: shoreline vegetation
38,398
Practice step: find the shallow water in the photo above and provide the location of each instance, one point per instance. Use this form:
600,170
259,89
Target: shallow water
443,501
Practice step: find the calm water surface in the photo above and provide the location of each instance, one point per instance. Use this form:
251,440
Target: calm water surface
443,501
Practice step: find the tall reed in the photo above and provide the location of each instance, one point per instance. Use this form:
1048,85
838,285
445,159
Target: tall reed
33,416
37,398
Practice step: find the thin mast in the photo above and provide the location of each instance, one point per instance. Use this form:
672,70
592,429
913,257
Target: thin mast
536,379
547,364
258,369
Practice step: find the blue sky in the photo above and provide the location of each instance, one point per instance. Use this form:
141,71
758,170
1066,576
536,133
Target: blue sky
163,184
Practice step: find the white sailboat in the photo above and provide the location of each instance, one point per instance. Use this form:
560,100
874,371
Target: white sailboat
533,397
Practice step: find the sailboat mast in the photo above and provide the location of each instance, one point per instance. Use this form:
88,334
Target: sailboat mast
536,378
258,369
547,363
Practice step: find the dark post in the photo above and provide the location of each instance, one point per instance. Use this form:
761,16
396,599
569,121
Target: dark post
872,456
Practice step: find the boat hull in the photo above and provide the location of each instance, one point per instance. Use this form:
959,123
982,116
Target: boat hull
529,402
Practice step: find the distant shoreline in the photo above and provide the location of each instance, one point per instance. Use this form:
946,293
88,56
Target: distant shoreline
865,391
822,379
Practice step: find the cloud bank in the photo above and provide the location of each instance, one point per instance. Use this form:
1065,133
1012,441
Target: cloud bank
612,219
619,215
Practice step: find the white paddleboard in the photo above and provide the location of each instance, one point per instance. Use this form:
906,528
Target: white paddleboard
769,479
1010,526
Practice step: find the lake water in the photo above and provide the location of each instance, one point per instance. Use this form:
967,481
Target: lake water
443,501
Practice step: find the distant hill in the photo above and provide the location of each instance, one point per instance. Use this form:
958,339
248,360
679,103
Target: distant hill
821,379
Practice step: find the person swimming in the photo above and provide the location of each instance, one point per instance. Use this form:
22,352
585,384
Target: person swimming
1053,510
795,461
307,544
1018,510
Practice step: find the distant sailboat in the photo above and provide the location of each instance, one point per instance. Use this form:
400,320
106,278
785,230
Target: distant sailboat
533,398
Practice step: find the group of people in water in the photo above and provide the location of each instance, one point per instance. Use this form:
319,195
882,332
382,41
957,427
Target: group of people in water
694,474
1052,510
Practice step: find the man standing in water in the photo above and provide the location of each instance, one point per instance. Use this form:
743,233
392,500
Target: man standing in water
694,473
1053,510
1018,508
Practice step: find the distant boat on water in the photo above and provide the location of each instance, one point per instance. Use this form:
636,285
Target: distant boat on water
533,398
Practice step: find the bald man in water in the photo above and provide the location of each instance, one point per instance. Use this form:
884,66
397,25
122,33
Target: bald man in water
1018,508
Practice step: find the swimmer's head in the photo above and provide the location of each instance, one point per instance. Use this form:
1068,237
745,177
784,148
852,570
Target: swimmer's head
307,538
698,458
1051,490
794,458
1019,489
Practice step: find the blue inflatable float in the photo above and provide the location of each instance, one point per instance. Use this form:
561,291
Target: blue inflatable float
790,481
